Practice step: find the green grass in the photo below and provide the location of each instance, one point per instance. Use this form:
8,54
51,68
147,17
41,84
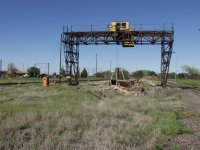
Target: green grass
68,117
187,82
19,79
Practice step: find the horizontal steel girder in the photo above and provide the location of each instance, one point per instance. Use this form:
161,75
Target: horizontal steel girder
140,37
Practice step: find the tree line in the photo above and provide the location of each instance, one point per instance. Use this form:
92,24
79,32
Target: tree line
188,72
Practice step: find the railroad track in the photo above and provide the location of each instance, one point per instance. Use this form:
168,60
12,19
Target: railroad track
51,81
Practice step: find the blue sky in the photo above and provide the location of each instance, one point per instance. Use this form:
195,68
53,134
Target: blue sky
30,31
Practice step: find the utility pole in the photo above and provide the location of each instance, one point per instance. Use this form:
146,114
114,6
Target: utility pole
117,65
0,64
111,66
60,58
34,70
48,69
96,63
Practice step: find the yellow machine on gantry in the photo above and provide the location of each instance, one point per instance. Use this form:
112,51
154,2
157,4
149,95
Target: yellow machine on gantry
120,28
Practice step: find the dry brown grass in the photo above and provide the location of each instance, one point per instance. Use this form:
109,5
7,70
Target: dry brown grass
63,117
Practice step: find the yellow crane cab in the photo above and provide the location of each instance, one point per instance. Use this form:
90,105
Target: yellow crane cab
122,26
118,26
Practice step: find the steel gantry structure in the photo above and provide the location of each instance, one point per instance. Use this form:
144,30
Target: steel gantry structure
72,39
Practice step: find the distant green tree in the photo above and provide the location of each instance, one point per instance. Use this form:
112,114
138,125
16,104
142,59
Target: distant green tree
192,72
141,73
100,75
181,75
138,74
151,73
11,69
33,71
123,72
171,75
104,74
84,73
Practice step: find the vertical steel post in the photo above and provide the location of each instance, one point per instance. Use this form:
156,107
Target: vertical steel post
166,52
76,68
72,60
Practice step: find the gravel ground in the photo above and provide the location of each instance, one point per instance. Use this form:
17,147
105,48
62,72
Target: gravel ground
190,120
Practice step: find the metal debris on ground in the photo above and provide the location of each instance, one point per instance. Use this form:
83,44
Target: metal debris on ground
135,87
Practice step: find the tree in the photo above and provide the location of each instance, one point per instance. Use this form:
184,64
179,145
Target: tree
104,74
192,72
181,75
151,73
124,73
138,74
171,75
33,71
84,73
11,69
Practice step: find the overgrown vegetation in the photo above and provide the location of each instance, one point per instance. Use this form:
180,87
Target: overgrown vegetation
63,117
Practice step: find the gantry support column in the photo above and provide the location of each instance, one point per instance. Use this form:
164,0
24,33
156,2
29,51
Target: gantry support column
72,62
166,52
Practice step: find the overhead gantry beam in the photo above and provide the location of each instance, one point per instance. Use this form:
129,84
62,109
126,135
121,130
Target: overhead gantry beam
72,40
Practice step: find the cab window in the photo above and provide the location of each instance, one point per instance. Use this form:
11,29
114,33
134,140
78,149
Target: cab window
123,25
118,25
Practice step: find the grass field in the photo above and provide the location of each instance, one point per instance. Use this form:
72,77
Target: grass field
69,117
187,82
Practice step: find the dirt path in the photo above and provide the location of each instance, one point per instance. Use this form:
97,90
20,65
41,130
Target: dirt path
190,118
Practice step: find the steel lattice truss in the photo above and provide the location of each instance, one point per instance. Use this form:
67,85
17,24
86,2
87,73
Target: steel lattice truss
72,40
